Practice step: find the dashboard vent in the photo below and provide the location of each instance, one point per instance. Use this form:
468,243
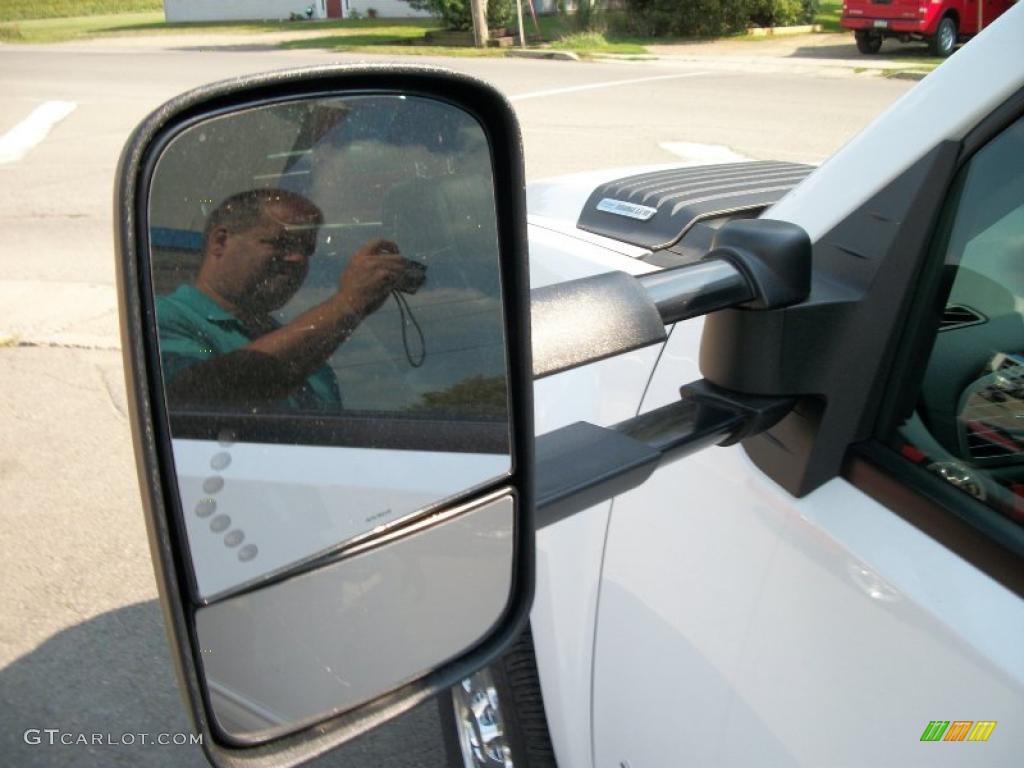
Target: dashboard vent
959,316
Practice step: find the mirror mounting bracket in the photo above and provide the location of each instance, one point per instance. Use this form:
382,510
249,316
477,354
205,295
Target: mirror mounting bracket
831,349
774,256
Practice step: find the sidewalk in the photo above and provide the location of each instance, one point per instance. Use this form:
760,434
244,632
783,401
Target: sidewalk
821,53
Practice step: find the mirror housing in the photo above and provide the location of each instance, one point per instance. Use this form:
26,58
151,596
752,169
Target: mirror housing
182,603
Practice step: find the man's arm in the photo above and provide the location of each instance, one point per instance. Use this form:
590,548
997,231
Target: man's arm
271,367
304,344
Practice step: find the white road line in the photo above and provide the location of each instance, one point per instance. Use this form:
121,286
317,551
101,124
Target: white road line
33,129
595,86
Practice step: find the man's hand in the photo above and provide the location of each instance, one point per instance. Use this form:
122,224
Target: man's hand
372,273
285,357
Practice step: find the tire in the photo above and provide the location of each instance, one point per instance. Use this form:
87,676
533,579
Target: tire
514,677
943,43
868,42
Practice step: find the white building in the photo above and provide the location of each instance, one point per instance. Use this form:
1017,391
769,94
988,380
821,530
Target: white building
398,8
240,10
274,10
384,8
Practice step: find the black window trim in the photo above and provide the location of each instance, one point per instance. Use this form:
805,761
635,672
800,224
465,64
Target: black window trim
962,524
979,534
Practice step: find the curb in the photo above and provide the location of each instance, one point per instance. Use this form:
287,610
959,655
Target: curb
535,54
904,75
624,56
803,29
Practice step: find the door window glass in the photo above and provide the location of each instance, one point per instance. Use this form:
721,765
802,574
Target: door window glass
968,424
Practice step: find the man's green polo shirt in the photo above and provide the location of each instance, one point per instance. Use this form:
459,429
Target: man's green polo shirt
194,328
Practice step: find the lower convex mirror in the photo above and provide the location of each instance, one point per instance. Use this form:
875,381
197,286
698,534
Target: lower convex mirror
324,298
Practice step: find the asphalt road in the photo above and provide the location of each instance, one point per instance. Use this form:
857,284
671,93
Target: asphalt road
82,647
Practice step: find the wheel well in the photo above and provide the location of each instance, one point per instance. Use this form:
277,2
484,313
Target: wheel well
951,14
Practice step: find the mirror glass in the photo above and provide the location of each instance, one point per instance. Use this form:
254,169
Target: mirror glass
327,297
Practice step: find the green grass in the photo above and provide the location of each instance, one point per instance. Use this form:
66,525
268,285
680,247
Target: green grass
829,13
333,34
382,36
361,33
385,45
415,26
56,30
561,34
919,62
898,73
595,42
19,10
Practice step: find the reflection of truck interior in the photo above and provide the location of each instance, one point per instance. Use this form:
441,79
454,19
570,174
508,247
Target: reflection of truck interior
969,424
940,23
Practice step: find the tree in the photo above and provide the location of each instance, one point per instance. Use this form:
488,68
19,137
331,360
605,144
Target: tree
711,18
457,14
480,31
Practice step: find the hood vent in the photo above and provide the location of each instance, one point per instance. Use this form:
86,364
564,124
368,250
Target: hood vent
654,210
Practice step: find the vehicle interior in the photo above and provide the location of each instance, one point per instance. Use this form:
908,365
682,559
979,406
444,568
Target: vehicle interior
969,422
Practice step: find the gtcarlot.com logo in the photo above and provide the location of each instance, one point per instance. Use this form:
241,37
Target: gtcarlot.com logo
55,737
958,730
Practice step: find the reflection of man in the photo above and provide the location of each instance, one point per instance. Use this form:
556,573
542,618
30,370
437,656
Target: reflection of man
218,342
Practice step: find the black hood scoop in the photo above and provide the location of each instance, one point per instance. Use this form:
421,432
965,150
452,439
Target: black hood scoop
654,210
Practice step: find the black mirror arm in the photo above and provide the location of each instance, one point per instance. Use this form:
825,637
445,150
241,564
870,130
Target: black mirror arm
754,264
582,464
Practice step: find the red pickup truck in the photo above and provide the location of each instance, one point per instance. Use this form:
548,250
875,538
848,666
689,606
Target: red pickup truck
942,23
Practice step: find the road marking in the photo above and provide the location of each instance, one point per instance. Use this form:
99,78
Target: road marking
595,86
33,129
702,153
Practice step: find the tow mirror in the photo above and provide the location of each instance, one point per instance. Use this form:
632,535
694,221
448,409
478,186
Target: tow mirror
323,279
325,319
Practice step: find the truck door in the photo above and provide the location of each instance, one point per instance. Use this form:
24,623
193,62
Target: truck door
877,619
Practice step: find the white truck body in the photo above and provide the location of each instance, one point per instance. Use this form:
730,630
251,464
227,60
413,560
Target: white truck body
711,618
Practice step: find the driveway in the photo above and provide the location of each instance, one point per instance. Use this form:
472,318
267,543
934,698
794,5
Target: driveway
823,53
